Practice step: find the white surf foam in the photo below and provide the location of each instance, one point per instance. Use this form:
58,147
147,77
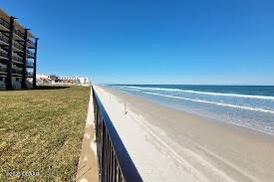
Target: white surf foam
201,92
213,103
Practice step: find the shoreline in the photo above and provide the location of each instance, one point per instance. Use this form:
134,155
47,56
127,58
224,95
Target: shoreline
231,126
204,149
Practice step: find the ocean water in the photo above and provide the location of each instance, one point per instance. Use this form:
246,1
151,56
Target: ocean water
246,106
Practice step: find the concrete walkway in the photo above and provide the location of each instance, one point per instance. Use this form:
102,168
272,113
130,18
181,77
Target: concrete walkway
87,167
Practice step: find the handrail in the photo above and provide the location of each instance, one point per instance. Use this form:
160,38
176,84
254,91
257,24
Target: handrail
114,161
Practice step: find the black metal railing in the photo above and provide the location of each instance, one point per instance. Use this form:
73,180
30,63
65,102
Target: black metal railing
114,161
4,23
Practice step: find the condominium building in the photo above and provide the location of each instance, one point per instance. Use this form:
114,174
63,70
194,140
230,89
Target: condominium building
18,53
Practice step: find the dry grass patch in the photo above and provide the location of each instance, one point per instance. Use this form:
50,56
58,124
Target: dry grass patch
41,131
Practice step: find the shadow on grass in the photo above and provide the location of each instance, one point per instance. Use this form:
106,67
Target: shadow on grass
49,87
39,88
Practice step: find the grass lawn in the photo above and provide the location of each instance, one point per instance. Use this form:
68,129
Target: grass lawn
41,132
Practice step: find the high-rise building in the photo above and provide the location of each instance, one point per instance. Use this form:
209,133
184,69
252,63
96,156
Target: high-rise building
18,53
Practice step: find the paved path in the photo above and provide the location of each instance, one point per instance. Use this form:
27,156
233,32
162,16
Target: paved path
87,167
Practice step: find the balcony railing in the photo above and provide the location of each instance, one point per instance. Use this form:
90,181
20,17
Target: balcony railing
18,33
4,23
17,59
31,42
30,54
3,69
16,71
19,47
16,67
29,74
3,54
30,64
4,38
114,161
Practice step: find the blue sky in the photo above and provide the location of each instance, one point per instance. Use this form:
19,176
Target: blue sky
153,41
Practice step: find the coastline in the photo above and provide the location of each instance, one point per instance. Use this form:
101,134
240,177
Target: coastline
198,148
242,130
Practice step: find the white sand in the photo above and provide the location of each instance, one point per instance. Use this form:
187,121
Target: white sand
168,145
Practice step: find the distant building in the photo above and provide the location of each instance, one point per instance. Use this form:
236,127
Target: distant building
42,76
84,80
43,79
18,50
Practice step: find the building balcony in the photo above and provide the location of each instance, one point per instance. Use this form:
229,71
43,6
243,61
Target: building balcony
18,47
30,65
3,55
3,65
3,70
16,67
17,59
4,50
4,24
19,34
16,71
31,43
19,54
31,54
29,74
4,40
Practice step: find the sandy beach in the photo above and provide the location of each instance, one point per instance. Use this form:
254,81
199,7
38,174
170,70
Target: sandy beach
170,145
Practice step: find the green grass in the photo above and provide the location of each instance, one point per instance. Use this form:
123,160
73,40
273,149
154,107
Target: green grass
41,131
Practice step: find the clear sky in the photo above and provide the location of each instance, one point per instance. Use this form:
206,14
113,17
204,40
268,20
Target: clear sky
153,41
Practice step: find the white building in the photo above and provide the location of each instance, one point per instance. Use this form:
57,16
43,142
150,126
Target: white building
43,79
84,80
42,76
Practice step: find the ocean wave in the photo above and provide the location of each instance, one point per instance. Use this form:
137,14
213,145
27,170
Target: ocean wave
213,103
261,97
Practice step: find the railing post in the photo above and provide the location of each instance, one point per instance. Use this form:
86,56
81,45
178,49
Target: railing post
24,73
35,64
10,52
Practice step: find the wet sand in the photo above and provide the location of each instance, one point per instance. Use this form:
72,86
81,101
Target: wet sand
170,145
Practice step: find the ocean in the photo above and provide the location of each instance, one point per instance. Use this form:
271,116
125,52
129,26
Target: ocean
246,106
